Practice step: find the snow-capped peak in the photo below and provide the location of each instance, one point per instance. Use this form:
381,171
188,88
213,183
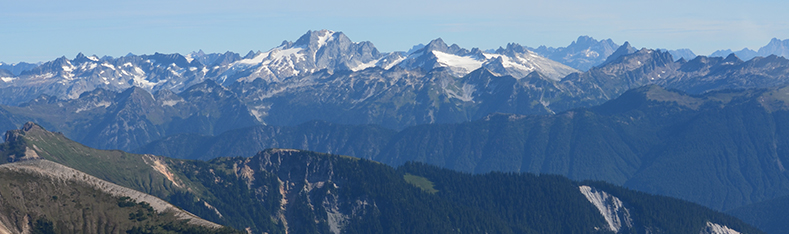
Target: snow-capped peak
515,61
314,39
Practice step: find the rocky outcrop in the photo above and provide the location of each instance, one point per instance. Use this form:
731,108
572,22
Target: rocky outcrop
304,178
714,228
613,210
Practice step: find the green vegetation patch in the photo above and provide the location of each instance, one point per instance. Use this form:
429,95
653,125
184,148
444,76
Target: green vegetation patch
49,205
420,182
659,94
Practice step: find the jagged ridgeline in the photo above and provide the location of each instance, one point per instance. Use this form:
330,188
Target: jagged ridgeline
293,191
127,102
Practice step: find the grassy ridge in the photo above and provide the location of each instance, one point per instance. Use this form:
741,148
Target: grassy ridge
125,169
49,205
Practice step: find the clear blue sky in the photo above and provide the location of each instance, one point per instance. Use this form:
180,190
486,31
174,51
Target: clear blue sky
34,30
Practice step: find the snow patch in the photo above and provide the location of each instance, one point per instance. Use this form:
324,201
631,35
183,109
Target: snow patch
188,58
465,94
7,79
394,63
94,58
365,65
714,228
279,54
259,114
110,66
465,62
324,38
171,102
103,104
519,63
141,82
612,209
255,60
591,54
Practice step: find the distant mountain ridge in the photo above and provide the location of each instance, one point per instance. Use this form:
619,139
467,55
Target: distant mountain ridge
435,83
774,47
582,54
632,141
17,68
312,52
396,98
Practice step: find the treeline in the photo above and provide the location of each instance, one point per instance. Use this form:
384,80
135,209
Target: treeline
240,206
377,198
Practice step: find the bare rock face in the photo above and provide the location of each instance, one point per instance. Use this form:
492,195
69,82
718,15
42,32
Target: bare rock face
304,178
714,228
18,149
613,210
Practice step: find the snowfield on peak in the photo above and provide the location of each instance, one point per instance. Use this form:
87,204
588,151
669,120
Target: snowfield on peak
467,63
327,34
289,62
256,60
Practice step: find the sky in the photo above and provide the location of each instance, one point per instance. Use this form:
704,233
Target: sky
35,30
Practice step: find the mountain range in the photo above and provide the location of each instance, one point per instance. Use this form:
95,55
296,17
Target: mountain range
774,47
314,51
293,191
649,139
637,140
396,98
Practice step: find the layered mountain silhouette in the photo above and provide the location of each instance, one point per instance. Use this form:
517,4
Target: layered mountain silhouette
649,139
397,98
774,47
